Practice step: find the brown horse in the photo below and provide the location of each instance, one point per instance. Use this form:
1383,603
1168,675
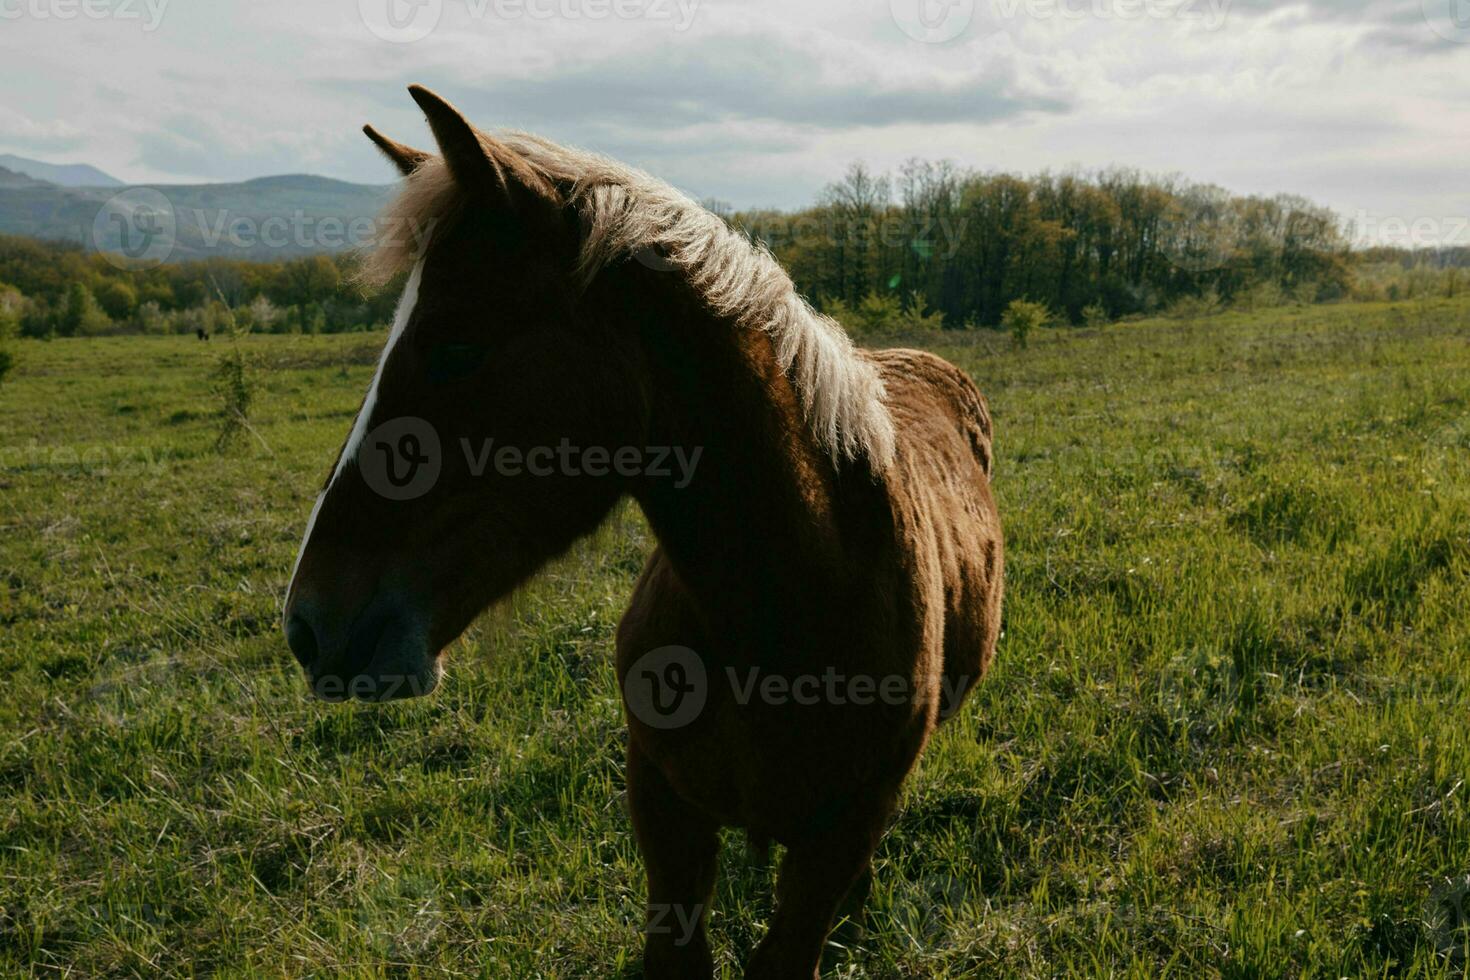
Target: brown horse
827,582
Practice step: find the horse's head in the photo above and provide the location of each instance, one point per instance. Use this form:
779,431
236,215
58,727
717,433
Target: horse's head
452,487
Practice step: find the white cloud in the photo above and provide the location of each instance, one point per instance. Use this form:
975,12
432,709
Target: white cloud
1360,104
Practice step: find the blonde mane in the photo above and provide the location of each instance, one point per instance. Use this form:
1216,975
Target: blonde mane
626,212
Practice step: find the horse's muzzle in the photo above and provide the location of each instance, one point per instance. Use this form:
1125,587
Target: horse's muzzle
383,655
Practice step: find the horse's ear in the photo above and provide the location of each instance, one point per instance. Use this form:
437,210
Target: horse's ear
479,163
405,158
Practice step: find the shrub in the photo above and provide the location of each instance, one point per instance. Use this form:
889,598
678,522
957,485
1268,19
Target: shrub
1096,316
1022,317
233,384
878,312
1262,296
1194,307
12,310
837,310
149,319
38,319
261,315
82,316
7,361
915,319
117,298
1306,292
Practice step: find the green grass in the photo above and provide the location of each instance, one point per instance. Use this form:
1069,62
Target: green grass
1226,734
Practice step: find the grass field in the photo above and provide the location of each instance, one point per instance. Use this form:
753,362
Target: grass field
1227,734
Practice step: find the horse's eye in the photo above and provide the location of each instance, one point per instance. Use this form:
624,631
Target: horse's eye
448,362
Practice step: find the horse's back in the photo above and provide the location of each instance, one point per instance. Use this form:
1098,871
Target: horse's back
944,437
924,392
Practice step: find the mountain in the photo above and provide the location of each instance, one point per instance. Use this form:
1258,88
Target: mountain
60,174
9,179
266,218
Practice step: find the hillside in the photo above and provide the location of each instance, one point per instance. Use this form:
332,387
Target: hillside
265,218
12,180
61,174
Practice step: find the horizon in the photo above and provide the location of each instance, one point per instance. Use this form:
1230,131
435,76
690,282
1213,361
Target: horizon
1392,233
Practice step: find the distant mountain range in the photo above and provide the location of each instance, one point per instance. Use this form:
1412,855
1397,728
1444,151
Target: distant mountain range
60,174
266,218
9,180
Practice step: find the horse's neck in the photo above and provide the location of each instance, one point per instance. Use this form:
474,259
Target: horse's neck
760,516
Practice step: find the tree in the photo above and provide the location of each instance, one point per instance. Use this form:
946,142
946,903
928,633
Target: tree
261,315
11,302
305,282
916,317
877,312
1022,317
854,209
81,316
12,309
118,298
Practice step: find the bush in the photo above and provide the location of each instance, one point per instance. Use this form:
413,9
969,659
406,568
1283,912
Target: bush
1262,296
1095,316
38,320
7,361
837,310
82,315
117,298
12,310
1194,307
878,312
233,383
149,319
1022,317
261,316
1306,292
916,320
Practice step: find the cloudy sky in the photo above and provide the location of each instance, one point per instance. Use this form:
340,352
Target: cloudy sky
1363,105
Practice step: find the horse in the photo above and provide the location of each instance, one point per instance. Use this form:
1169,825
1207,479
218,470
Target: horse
827,579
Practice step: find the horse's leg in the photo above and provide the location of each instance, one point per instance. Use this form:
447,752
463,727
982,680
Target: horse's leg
850,932
680,848
816,876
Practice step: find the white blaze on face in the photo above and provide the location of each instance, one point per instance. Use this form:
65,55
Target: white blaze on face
401,316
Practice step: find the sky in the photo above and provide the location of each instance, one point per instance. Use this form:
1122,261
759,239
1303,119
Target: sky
1362,105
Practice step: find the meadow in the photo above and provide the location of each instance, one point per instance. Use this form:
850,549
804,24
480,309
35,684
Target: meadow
1227,733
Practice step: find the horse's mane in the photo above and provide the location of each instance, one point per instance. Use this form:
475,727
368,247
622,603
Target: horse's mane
626,212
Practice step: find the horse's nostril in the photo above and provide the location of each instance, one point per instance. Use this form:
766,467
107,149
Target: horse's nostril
301,638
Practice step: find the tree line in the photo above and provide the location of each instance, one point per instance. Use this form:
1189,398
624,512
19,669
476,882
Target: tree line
966,245
58,289
931,247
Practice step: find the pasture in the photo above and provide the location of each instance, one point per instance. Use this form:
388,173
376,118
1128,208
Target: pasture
1227,733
